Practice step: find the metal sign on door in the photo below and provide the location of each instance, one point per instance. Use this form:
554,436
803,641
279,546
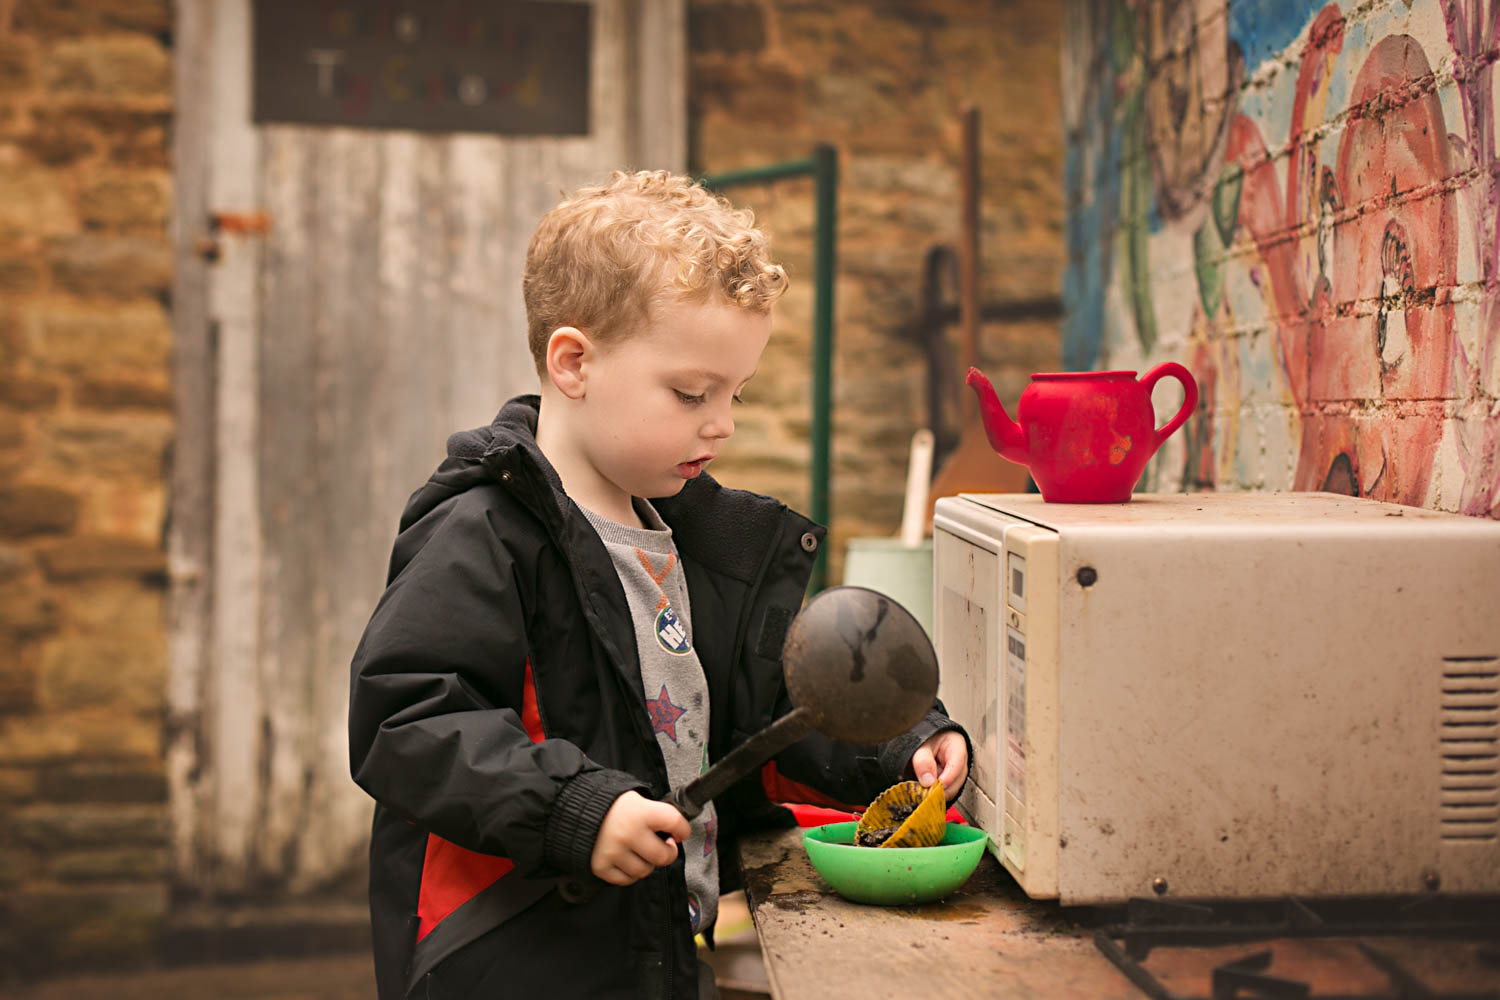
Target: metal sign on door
456,66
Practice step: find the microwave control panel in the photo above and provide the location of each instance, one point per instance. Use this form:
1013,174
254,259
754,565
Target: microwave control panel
1014,835
1028,669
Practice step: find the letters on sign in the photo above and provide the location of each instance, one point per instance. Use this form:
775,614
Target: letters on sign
446,66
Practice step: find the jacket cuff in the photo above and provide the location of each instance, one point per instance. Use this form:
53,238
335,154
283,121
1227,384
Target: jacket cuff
577,814
895,754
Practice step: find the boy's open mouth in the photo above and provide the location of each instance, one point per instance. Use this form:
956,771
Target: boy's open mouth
690,470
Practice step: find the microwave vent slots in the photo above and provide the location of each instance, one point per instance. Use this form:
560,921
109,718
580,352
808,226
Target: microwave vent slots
1471,749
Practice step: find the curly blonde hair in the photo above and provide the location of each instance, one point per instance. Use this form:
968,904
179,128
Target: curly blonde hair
601,257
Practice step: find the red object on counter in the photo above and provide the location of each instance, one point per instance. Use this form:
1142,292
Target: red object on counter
811,807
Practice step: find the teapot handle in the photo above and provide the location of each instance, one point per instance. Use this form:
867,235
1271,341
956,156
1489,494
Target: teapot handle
1189,393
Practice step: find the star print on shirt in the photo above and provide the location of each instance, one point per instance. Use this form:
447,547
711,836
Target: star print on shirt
664,714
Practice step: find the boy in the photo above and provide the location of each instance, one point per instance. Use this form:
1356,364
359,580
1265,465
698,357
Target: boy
550,658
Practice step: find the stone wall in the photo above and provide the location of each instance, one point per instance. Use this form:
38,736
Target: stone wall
1297,200
885,84
85,422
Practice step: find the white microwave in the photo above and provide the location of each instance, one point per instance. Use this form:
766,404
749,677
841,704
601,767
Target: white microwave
1225,695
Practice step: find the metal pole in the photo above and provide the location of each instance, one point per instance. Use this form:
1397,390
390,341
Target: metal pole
824,168
759,175
827,183
968,254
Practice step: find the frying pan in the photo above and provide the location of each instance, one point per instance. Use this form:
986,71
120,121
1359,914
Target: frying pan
859,669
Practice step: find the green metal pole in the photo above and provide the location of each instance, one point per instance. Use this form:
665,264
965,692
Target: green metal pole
759,175
824,168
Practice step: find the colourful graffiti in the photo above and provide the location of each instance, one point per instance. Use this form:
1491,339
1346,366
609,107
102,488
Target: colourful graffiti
1312,230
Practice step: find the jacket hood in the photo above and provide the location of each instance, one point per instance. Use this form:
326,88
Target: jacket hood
514,428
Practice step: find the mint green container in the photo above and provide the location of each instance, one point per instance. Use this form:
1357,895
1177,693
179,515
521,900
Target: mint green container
902,573
894,876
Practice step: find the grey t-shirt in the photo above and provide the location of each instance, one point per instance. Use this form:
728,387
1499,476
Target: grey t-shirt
676,691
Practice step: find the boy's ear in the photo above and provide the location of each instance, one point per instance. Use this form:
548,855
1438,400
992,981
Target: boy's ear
568,352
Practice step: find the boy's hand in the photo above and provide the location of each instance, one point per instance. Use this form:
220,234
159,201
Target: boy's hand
944,756
630,844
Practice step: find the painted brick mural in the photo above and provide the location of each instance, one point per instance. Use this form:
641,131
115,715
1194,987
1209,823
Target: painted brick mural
1298,201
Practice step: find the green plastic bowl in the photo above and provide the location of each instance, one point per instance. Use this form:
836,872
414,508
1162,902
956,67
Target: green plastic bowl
893,875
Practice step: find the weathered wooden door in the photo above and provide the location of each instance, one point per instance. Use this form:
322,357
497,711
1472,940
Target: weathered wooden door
345,297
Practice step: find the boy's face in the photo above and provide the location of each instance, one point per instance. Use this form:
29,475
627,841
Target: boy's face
658,400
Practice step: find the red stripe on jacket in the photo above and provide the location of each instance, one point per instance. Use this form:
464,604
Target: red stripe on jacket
453,875
531,717
781,789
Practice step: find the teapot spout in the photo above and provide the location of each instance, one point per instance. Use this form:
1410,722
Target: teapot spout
1004,433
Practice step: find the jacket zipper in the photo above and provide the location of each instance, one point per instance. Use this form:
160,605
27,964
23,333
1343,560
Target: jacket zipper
671,963
550,517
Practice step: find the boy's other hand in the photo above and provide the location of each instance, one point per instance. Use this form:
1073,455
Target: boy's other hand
631,843
944,756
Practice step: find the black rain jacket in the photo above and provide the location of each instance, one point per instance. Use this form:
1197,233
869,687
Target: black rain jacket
496,713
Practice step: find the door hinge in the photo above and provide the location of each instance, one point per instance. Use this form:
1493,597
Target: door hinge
238,223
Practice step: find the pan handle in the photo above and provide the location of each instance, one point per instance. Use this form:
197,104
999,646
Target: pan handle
749,755
692,797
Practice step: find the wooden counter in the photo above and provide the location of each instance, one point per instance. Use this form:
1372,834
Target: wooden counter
986,940
990,940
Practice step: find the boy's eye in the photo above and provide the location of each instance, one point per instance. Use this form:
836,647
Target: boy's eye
690,400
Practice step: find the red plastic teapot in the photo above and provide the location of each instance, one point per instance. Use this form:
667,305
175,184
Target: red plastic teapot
1085,436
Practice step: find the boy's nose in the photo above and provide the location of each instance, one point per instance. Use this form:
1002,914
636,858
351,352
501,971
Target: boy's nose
721,425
